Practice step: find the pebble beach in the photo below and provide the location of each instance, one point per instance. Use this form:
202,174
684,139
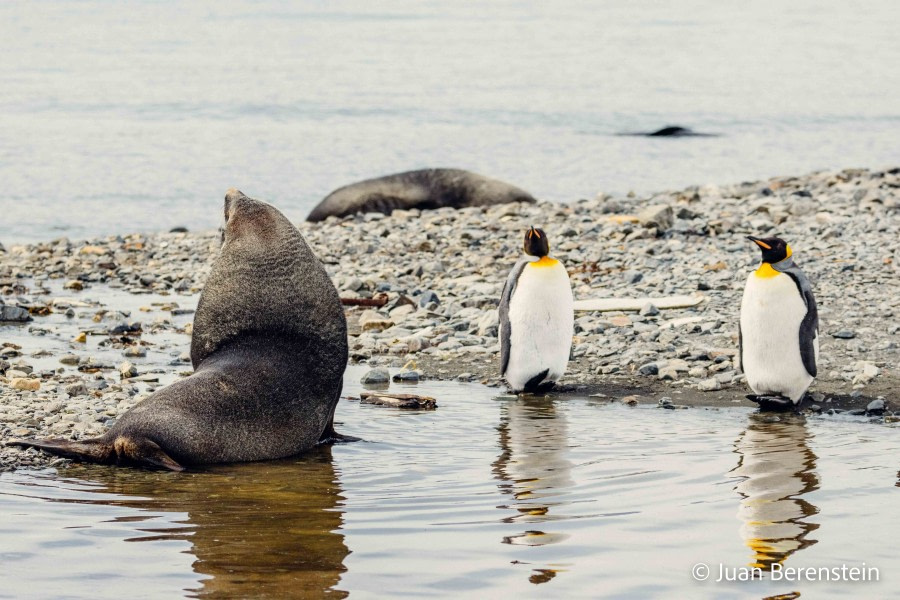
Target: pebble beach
91,327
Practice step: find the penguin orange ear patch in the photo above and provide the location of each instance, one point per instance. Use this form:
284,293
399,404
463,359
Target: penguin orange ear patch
762,244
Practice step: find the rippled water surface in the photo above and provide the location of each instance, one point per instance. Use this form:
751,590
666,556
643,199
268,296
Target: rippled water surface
138,115
487,496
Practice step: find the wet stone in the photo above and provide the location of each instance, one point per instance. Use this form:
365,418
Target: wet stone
649,369
406,375
124,328
876,407
127,370
376,376
76,389
14,314
709,385
649,310
427,298
632,276
25,384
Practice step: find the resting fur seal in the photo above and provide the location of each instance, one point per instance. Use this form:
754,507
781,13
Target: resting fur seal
424,189
269,350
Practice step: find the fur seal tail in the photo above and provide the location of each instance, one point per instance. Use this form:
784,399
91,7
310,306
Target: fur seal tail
104,450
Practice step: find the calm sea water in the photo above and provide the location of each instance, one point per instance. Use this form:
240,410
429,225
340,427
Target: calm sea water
137,115
486,497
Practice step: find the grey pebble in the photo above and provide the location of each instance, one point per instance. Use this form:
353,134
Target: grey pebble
376,376
876,406
406,375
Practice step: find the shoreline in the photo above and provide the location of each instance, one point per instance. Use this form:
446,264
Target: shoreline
443,271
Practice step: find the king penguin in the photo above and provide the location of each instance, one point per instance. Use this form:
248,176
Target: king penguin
779,328
537,318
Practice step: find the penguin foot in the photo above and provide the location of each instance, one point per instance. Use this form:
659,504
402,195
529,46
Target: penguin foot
537,385
772,403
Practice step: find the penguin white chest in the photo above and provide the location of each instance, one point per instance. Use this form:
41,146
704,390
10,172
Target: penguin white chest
771,312
541,322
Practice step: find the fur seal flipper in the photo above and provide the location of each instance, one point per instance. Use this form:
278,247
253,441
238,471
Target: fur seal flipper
422,189
269,350
111,450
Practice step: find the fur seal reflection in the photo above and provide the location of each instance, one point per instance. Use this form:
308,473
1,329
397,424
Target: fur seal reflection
257,530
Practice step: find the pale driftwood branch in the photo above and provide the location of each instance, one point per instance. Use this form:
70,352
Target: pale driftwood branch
608,304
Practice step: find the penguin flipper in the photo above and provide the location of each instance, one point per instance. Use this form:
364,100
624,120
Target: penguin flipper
809,331
809,326
505,299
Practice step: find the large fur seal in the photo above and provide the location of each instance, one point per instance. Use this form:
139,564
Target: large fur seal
269,350
424,189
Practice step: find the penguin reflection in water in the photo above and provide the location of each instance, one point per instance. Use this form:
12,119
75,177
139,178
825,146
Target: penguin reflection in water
536,319
779,329
778,471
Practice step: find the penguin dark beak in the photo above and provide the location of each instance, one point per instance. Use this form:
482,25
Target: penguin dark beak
759,242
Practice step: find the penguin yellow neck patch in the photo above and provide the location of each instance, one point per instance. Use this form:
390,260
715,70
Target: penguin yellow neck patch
766,270
545,261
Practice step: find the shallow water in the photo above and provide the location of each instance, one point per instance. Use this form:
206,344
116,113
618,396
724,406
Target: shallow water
487,496
137,116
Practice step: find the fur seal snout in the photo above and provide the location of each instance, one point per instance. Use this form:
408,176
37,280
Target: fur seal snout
269,349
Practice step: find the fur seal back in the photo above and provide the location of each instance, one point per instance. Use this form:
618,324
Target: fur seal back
423,189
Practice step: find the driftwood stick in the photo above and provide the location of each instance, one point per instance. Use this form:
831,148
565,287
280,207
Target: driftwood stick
379,301
398,400
394,395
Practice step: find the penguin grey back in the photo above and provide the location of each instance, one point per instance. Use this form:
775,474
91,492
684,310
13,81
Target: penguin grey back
505,298
267,281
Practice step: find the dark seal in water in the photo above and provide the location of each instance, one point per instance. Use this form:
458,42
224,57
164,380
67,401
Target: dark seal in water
269,350
424,189
671,131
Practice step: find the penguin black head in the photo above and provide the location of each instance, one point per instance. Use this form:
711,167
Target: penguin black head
773,249
536,243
